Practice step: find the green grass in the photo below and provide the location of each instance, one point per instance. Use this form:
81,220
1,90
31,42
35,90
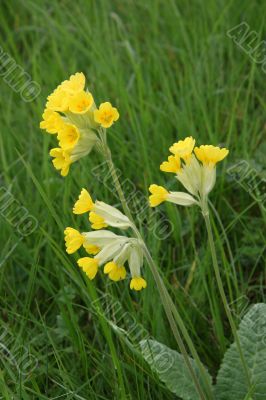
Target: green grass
172,71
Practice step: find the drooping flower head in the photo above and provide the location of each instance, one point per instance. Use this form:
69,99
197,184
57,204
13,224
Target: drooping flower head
195,169
71,114
109,249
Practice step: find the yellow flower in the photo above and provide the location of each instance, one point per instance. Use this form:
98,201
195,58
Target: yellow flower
138,283
92,249
81,102
89,266
74,240
97,221
74,84
84,203
106,115
158,195
114,271
68,136
52,121
58,100
210,155
61,160
183,148
172,165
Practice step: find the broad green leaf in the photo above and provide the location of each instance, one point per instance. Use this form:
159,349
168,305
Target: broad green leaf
231,379
171,368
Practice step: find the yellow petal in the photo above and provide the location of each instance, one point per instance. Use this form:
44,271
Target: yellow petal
210,155
118,275
172,165
114,271
138,283
81,102
183,148
109,267
52,121
74,240
74,84
68,136
84,203
106,115
97,222
58,100
61,160
89,266
158,195
92,249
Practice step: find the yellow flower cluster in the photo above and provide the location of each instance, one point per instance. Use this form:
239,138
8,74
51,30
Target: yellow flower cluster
109,249
195,168
71,114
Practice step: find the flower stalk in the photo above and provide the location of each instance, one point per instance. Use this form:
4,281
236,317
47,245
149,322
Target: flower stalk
195,169
172,313
206,215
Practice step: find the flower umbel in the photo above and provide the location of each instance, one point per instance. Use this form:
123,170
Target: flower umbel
71,114
110,250
197,178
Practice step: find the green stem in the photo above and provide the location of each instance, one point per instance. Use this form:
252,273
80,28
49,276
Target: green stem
170,309
162,289
205,212
120,387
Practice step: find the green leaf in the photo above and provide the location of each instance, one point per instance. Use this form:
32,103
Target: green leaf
171,368
231,379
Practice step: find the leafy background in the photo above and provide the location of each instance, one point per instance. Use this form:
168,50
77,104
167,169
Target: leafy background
172,71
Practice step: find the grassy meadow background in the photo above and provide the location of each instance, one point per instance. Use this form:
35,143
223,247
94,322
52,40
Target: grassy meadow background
172,71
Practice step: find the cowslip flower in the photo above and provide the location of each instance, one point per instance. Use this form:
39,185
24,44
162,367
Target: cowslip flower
109,249
183,148
68,136
52,121
101,215
159,194
71,114
81,103
195,169
106,115
61,160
